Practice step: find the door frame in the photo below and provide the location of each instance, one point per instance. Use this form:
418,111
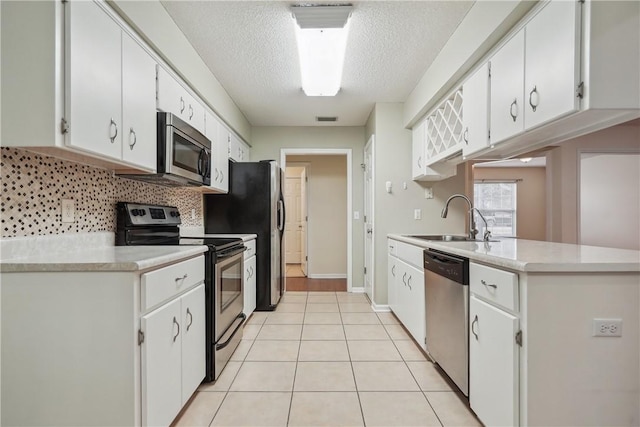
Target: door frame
370,219
284,152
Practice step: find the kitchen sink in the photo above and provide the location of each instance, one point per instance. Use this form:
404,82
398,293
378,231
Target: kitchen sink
447,238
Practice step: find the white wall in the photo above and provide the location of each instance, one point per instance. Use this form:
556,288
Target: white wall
393,212
610,200
155,25
268,141
563,176
327,212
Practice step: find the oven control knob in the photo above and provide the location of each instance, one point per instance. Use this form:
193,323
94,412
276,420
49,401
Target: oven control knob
172,214
134,212
142,212
177,213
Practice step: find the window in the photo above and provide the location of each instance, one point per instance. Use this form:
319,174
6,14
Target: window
497,203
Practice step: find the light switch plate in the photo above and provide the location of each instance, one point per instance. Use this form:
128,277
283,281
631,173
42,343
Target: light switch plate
417,214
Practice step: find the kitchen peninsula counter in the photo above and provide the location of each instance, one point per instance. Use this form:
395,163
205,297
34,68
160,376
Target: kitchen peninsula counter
536,256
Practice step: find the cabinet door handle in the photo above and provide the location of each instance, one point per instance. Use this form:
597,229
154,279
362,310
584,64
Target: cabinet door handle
514,104
181,105
489,285
252,271
175,322
465,136
190,318
409,282
393,270
221,176
135,138
533,106
419,165
183,278
473,330
113,126
403,279
190,111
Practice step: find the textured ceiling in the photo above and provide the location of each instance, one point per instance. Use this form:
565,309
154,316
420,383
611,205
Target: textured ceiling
250,47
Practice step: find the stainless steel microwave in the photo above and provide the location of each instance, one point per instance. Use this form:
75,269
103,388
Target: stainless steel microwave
183,156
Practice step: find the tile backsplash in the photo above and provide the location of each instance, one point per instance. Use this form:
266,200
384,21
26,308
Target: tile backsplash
33,186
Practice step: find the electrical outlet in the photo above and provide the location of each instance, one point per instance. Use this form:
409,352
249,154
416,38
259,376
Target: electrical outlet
607,327
68,210
417,214
193,214
428,193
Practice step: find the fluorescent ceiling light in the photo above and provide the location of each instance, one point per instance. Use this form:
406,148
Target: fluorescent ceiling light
526,159
321,33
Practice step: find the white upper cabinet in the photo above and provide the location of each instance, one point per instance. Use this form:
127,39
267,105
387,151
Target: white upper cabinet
238,150
173,98
475,111
534,76
552,61
418,146
110,84
138,105
93,80
507,82
219,137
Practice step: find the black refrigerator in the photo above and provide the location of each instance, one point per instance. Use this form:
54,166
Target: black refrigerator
254,205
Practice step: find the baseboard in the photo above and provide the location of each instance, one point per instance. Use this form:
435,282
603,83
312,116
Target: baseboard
327,276
381,308
357,290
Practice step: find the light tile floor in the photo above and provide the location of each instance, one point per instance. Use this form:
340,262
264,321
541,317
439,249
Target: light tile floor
327,359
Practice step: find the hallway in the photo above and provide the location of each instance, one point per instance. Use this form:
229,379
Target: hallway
327,359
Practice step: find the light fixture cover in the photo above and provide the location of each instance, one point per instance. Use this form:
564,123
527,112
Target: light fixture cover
325,16
321,34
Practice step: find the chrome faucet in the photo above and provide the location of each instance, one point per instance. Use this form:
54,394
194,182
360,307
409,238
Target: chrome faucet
473,231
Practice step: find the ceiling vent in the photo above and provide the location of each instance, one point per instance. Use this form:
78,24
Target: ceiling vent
326,119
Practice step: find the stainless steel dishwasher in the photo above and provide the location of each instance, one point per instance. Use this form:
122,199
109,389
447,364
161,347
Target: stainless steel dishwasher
446,279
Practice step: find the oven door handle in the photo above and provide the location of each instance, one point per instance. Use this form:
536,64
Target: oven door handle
230,253
226,343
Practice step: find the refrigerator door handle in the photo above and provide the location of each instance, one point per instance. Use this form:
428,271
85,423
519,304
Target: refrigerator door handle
280,215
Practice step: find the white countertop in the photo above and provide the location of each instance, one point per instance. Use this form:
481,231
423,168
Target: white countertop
537,256
86,252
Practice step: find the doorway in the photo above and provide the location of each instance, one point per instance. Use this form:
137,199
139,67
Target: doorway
318,201
295,230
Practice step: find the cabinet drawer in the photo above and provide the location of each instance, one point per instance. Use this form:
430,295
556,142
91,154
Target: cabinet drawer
412,255
496,286
160,285
251,249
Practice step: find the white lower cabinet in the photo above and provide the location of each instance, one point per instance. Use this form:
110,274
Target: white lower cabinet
411,304
123,348
494,351
405,288
173,356
493,364
392,273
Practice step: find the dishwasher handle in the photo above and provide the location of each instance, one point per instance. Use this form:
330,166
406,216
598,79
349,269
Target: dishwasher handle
452,267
